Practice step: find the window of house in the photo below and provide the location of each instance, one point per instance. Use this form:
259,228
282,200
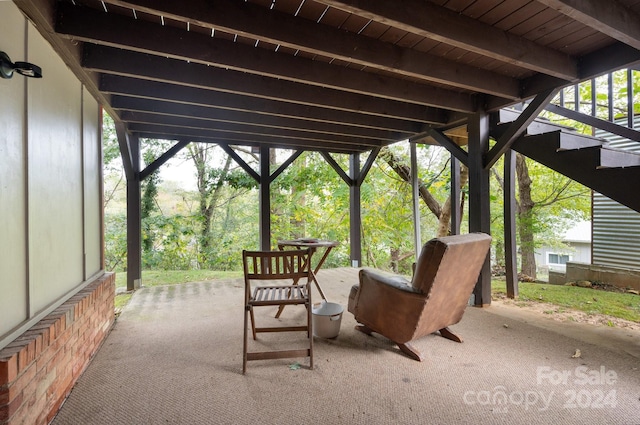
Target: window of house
559,258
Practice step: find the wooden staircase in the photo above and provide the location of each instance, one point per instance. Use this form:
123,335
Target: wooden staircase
612,172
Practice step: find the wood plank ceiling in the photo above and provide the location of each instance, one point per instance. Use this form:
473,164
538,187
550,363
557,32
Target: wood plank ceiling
339,76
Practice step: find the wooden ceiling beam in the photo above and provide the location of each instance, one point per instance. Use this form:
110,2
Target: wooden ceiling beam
609,17
608,59
242,128
446,26
618,56
153,90
134,104
196,135
84,24
254,21
122,62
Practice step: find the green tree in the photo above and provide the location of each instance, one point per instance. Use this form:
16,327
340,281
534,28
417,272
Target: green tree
115,219
309,199
114,179
433,189
219,182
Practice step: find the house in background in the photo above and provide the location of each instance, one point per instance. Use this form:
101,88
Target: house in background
577,240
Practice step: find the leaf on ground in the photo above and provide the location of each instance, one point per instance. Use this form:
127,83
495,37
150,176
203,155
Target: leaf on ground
294,366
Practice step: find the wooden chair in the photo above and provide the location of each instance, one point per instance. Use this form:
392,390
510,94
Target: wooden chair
292,270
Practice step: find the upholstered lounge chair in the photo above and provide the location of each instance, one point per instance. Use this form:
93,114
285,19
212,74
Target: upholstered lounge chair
401,310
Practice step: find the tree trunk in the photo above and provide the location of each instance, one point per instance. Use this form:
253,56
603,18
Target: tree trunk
212,203
209,189
444,221
525,219
395,255
298,225
404,172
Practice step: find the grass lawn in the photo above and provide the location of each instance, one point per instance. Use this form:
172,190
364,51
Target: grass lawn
171,277
591,301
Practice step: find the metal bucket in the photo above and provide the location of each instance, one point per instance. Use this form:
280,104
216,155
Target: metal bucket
326,318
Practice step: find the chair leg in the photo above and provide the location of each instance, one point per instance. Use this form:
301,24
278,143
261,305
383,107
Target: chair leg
364,329
310,334
253,323
244,342
410,351
446,332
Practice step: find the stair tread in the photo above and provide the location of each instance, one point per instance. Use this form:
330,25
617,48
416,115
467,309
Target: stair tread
608,170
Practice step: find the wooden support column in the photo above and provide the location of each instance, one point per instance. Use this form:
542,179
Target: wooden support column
264,180
355,211
455,196
479,201
130,152
265,200
354,180
510,223
134,233
417,237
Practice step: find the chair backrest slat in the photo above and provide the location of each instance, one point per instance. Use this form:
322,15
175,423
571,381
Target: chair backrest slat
275,265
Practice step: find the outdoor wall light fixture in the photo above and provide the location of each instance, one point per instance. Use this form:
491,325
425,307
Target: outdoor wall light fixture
23,68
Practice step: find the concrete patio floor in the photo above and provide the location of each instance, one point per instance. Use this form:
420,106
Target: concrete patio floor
174,356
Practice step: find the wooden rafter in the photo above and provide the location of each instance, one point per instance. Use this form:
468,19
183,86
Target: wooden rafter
437,23
282,29
146,37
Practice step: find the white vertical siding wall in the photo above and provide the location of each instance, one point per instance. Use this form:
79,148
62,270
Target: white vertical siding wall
54,146
13,269
50,182
92,182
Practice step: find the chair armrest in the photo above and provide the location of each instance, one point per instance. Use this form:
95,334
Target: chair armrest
373,277
388,304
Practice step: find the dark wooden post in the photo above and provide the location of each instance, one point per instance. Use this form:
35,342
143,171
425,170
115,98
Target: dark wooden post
417,236
130,152
479,200
510,223
455,196
265,200
355,211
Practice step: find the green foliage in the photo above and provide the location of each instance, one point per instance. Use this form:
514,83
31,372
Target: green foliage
207,228
619,102
147,208
110,147
558,203
173,245
120,301
115,250
310,200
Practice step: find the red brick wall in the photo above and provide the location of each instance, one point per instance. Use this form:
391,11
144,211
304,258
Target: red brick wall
38,369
